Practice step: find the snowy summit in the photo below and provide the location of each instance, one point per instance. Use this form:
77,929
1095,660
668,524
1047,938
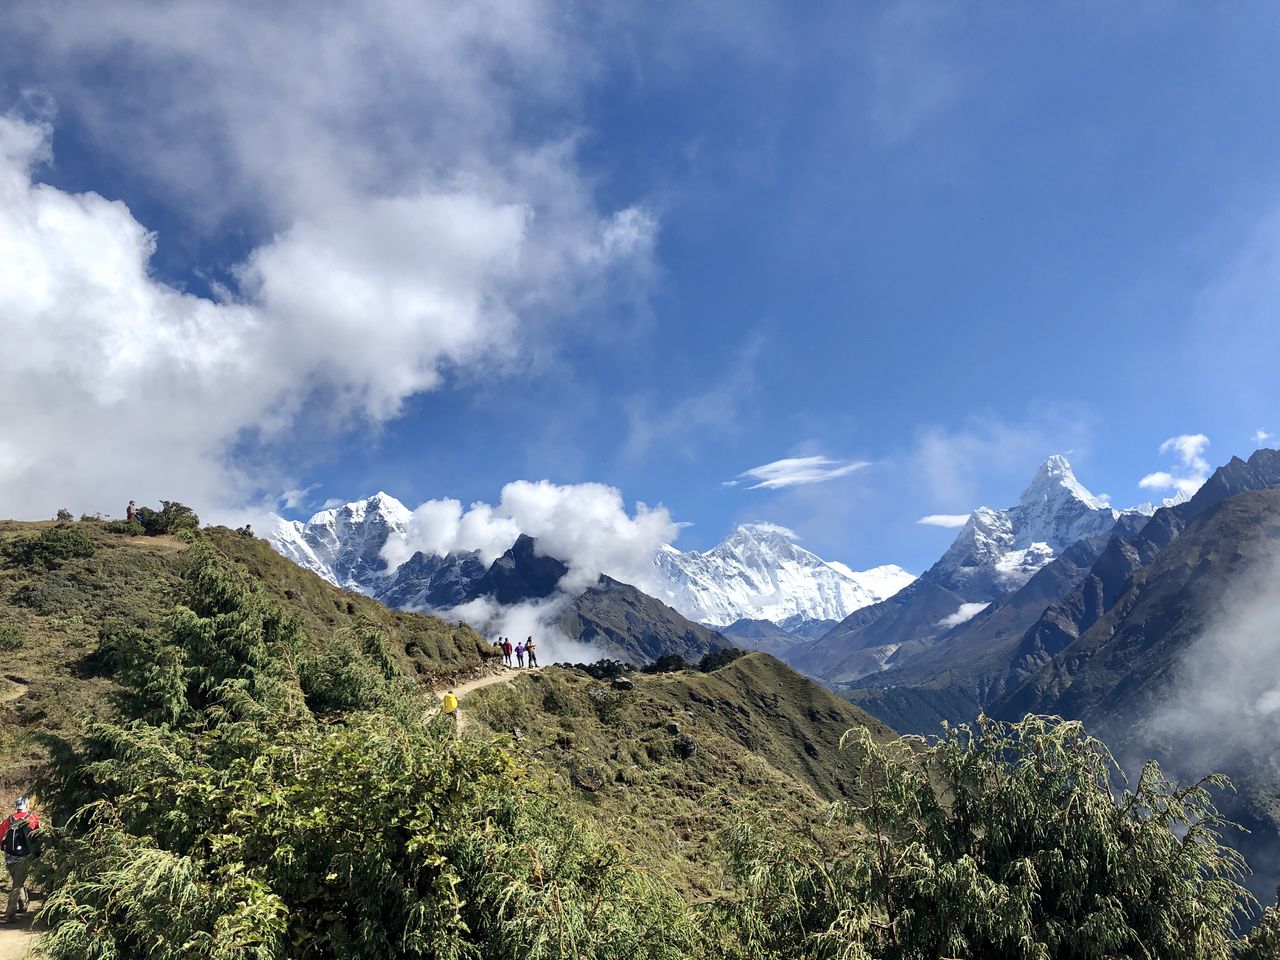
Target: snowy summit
760,573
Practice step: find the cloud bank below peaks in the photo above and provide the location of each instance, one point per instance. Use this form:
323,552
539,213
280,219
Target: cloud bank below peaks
585,525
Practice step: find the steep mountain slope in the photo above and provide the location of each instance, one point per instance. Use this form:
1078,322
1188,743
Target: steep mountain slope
1065,621
60,626
1184,666
623,623
973,665
344,544
760,573
995,553
660,764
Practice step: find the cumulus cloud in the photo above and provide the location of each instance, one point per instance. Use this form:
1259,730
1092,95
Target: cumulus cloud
585,525
403,227
965,613
1261,437
949,520
797,471
1192,469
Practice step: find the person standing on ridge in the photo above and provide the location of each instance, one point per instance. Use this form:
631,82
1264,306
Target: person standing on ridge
520,654
20,843
529,649
506,650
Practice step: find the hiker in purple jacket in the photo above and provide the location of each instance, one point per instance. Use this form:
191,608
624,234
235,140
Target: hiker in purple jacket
520,654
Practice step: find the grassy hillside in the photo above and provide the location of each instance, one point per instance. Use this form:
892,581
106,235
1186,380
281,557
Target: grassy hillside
667,764
567,818
61,617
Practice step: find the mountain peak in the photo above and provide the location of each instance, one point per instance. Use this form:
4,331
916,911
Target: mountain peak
1055,480
764,530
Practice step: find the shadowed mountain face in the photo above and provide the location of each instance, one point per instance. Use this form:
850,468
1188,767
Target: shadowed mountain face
520,574
623,623
975,664
1184,666
433,582
993,556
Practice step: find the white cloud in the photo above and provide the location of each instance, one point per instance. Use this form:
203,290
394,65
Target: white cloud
409,229
1262,437
586,525
796,471
950,520
965,613
1192,469
1224,701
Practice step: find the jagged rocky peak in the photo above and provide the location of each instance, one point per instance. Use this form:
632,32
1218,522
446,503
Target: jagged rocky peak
1055,483
344,544
999,550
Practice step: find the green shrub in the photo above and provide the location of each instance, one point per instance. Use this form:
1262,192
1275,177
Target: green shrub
129,528
50,549
172,518
11,637
604,669
719,658
1000,841
51,594
63,516
667,663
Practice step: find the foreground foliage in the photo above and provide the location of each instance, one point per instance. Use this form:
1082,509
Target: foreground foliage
230,816
999,841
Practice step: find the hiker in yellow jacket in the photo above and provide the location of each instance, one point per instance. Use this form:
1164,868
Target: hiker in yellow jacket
450,706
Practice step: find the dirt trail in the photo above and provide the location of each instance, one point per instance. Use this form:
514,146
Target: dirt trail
18,940
471,686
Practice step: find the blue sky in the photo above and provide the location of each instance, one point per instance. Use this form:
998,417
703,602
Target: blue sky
653,247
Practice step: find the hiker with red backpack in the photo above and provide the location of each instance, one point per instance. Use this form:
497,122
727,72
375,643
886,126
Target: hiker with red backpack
20,840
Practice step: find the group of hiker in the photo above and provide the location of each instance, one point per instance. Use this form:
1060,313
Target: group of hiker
520,650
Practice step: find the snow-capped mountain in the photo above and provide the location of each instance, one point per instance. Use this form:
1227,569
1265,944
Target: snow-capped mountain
999,550
761,573
344,544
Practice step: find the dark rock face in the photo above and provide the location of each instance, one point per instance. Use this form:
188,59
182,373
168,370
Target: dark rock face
520,574
430,582
622,622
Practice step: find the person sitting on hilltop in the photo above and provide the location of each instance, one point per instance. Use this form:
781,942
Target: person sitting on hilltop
529,649
19,839
131,511
245,531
